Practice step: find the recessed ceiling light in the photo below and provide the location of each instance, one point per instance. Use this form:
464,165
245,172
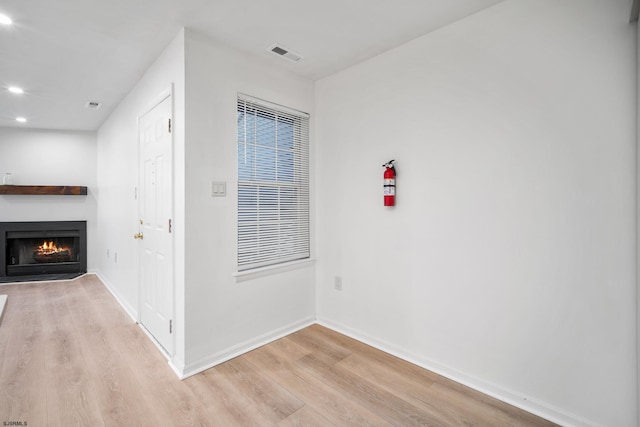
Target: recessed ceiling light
21,119
15,89
5,20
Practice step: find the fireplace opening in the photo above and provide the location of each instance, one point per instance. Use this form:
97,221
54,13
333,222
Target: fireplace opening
42,250
39,251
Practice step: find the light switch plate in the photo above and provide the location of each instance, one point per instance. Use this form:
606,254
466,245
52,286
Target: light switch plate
218,188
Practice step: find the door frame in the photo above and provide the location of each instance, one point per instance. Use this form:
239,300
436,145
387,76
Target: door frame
162,96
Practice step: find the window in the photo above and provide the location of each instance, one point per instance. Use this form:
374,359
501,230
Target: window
273,184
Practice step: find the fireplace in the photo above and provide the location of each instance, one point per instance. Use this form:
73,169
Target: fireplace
45,250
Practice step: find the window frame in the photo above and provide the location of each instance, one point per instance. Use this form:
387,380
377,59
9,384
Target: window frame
284,238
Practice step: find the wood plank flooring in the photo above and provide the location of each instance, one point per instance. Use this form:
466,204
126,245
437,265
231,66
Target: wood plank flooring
70,356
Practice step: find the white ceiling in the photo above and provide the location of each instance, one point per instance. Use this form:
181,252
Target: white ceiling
67,52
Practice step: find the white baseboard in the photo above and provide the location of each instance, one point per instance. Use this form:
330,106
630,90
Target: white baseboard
3,302
239,349
177,369
132,312
541,409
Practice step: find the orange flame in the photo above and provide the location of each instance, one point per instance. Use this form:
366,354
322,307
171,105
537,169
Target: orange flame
48,248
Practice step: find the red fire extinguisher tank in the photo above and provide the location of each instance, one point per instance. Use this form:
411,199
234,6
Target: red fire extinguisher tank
389,184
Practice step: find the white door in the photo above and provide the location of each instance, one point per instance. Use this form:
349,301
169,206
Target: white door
155,236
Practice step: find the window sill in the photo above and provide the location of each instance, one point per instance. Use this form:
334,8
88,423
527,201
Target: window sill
255,273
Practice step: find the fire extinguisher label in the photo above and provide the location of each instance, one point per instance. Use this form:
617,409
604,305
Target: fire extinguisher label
389,187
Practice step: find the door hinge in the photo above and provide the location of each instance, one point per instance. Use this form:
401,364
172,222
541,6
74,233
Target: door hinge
169,125
170,326
169,225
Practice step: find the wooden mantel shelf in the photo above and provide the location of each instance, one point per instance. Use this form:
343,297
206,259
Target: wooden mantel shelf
41,190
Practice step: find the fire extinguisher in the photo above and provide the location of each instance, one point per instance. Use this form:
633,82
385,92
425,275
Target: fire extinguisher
389,183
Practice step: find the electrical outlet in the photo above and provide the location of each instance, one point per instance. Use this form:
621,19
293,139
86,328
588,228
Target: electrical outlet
337,284
115,257
107,253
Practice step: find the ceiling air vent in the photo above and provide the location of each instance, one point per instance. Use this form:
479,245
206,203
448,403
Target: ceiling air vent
93,105
284,52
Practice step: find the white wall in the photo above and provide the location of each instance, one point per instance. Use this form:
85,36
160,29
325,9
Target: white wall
118,179
49,157
509,260
224,316
216,317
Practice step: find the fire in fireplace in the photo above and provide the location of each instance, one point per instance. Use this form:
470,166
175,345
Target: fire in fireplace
51,252
42,249
30,251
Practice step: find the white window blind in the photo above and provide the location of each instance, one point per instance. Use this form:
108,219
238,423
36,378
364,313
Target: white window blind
273,184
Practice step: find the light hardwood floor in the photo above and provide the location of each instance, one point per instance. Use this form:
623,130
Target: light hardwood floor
70,356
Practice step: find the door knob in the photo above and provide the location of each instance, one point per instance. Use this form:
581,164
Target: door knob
138,236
